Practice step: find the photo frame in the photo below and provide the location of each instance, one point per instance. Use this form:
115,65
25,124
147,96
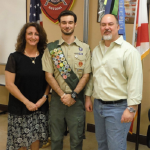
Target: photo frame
100,10
130,10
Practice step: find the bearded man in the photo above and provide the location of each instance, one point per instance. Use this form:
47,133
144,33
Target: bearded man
116,85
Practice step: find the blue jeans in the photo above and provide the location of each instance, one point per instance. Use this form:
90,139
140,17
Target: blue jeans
111,134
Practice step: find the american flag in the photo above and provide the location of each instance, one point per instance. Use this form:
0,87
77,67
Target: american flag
35,12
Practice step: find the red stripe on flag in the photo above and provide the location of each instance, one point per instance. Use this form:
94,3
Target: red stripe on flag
142,35
41,23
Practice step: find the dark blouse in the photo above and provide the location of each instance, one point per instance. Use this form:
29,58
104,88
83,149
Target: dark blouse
30,80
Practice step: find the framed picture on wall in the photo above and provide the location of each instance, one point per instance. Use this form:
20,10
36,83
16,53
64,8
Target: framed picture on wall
130,10
100,10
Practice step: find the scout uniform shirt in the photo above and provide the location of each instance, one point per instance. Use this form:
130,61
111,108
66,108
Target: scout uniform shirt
117,73
78,57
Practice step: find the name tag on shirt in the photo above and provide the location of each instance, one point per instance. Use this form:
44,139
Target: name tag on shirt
78,53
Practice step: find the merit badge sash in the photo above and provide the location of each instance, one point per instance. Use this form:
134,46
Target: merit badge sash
62,65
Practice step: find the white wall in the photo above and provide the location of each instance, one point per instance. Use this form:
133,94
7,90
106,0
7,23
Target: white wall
12,18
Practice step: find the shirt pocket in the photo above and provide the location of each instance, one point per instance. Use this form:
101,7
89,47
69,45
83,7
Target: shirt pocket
79,65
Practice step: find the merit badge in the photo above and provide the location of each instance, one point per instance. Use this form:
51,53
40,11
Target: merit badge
56,63
63,68
55,50
64,76
62,73
62,59
60,69
56,53
80,63
65,63
68,74
58,66
61,64
59,52
67,66
69,69
59,61
65,71
52,52
61,55
57,57
80,49
53,55
59,48
54,59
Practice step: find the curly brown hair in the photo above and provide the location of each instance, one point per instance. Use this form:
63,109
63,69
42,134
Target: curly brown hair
21,41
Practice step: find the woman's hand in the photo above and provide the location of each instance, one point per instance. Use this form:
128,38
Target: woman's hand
31,106
40,102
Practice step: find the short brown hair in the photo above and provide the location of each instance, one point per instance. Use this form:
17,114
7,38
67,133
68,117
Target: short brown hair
21,41
67,13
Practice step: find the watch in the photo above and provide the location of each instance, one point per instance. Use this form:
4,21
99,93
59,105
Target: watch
46,96
74,95
131,109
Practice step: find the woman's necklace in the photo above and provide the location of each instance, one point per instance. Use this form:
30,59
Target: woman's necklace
33,59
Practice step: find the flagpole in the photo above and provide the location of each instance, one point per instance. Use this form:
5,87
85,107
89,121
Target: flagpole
138,128
138,125
86,21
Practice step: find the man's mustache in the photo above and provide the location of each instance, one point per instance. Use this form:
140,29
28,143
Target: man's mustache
107,31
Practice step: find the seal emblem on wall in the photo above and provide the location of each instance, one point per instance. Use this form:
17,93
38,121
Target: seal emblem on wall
52,8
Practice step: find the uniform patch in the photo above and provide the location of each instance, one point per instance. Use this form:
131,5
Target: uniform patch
80,63
80,49
79,70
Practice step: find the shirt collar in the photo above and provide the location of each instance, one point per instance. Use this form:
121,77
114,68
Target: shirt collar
119,41
76,41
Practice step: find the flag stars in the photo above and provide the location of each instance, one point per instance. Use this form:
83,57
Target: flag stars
38,5
30,5
34,15
35,6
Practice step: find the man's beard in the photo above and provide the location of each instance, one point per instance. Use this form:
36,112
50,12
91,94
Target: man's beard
107,37
67,33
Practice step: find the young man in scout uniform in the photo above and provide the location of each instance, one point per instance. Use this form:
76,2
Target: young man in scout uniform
117,86
67,66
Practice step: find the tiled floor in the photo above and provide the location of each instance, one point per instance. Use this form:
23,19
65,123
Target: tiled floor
88,144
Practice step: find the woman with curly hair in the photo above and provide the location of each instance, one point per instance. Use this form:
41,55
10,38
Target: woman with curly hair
25,80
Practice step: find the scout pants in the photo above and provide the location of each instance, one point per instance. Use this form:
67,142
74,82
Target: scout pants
74,116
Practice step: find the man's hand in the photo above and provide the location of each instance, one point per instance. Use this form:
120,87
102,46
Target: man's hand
67,100
88,104
127,116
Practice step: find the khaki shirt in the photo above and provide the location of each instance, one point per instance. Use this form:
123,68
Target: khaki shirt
117,74
75,53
